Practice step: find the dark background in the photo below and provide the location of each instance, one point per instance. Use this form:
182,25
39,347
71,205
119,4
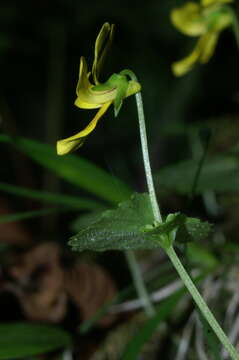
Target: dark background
40,47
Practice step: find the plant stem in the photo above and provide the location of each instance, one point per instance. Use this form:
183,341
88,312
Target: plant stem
201,303
139,283
133,265
145,151
170,251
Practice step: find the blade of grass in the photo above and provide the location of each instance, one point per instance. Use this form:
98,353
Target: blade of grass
21,340
73,169
29,214
43,196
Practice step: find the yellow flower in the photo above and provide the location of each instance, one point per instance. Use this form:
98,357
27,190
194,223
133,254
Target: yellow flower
205,20
93,95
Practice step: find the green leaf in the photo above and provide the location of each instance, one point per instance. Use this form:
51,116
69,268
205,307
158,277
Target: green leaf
193,229
72,168
18,340
162,312
218,174
29,214
85,220
54,198
130,226
118,229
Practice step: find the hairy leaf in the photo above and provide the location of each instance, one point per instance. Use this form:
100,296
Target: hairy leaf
193,229
132,226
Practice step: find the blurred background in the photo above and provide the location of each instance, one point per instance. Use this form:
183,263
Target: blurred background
40,47
41,44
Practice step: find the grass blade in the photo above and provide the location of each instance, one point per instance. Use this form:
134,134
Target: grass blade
29,214
73,169
54,198
20,340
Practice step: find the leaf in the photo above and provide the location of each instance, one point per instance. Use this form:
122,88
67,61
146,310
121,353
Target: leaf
55,198
130,226
118,229
84,279
28,214
219,174
19,340
162,312
85,220
72,168
193,229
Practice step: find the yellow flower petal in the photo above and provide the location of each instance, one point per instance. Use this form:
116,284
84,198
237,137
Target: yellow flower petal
181,67
207,44
90,99
102,44
65,146
188,19
83,82
215,2
87,98
202,52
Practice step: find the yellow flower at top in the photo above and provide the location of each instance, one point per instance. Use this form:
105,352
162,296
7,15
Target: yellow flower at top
91,94
205,19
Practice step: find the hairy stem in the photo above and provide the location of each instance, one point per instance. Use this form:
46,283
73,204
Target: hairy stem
145,151
170,251
206,312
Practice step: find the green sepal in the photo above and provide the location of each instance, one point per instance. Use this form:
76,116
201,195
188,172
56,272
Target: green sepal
122,86
165,232
115,82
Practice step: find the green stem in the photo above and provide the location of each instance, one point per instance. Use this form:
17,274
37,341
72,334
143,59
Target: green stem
134,267
139,283
145,151
201,303
170,251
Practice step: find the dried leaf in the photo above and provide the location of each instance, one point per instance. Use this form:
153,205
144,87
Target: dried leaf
90,287
40,286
